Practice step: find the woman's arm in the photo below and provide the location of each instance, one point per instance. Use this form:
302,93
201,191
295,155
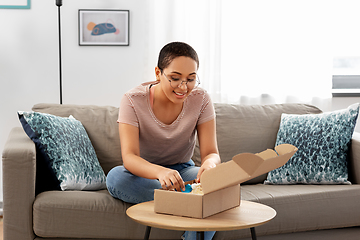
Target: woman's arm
130,150
208,146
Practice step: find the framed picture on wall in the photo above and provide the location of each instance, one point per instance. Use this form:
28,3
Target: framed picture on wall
15,4
103,27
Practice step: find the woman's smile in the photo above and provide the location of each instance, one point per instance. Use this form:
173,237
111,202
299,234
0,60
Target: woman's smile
180,94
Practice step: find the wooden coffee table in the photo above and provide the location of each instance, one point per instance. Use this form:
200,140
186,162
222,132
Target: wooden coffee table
247,215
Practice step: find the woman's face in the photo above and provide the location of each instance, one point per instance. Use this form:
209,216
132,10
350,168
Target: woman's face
179,71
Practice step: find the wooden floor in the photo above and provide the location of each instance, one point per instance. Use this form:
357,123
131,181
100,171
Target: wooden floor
1,229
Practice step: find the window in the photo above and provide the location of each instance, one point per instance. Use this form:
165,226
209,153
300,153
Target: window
346,77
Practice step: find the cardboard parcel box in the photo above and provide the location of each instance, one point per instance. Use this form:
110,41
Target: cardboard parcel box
221,185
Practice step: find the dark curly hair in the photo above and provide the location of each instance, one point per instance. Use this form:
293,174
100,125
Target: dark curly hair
173,50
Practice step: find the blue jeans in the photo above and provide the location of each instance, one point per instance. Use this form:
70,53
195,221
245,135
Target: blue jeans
130,188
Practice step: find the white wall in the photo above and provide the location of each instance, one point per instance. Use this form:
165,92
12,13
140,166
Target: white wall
91,75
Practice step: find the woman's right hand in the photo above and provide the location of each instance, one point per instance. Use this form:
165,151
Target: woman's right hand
171,179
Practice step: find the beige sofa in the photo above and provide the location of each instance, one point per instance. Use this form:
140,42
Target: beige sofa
303,211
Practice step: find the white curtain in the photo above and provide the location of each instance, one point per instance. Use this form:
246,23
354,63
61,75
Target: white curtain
259,52
196,22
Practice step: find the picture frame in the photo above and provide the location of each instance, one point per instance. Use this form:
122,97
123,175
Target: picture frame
103,27
15,4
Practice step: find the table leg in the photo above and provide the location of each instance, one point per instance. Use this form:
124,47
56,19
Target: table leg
147,233
253,233
200,235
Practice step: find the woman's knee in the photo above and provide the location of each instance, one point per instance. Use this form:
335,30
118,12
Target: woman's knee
114,176
113,180
124,185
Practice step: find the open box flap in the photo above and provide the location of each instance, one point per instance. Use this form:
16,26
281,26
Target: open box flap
245,166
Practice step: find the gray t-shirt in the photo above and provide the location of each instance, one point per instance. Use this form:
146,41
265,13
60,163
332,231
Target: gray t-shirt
161,143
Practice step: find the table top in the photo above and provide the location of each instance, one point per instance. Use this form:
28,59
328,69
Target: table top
247,215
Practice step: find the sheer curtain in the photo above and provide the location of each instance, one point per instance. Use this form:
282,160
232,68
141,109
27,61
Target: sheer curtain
196,22
259,52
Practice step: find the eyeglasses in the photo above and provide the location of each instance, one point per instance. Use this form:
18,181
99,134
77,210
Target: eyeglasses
192,81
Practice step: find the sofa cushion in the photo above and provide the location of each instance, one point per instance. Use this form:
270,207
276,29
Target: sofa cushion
95,214
322,141
66,147
100,125
250,128
88,214
303,207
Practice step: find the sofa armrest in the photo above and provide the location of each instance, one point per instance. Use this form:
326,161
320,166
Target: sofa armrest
19,169
354,159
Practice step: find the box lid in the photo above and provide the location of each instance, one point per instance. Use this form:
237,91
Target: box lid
245,166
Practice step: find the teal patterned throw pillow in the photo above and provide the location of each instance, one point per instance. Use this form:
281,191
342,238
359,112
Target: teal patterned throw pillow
66,147
323,142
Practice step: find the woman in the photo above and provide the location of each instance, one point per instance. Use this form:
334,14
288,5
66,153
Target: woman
158,122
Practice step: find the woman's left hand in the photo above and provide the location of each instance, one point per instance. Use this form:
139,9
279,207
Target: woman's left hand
208,147
207,164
